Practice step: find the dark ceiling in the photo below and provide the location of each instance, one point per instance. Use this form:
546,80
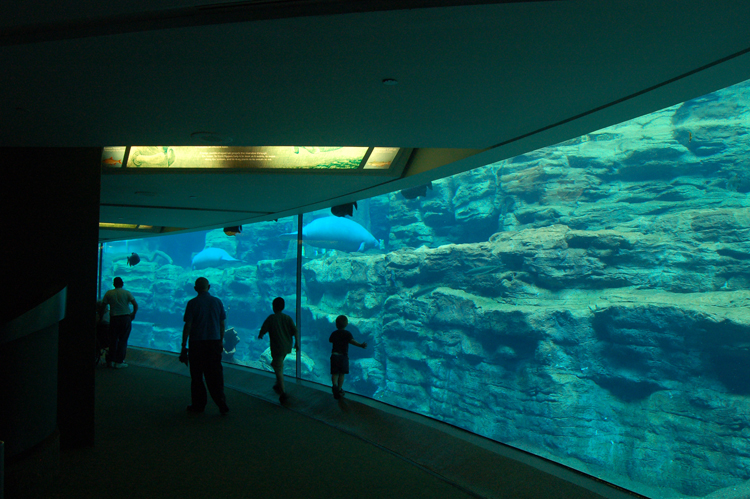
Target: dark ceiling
475,84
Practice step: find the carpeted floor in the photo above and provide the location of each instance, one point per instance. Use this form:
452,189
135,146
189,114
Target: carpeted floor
149,446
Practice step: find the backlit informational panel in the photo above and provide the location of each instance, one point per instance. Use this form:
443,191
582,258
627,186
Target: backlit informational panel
381,158
112,157
285,157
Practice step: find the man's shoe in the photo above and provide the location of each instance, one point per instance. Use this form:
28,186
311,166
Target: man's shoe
335,391
283,397
192,408
277,389
120,365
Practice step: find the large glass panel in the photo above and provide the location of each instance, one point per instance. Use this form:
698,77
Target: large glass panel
587,302
340,277
246,271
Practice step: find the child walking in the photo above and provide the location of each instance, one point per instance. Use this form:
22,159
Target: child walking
341,338
284,336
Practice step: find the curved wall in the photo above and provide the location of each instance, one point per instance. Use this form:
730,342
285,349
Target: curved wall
28,419
30,415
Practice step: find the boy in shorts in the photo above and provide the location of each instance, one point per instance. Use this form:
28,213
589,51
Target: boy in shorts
282,332
341,338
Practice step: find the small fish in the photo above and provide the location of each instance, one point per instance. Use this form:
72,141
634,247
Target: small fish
111,161
418,191
233,231
231,339
133,259
343,210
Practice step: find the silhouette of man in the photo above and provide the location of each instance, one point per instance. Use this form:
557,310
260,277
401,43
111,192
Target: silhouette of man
120,322
204,326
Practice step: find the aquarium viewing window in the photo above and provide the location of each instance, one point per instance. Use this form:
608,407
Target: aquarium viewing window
588,302
251,158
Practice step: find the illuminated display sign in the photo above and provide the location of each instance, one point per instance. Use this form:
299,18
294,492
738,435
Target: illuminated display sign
381,158
252,158
292,157
103,225
113,157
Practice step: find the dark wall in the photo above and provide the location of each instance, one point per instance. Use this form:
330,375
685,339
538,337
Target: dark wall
50,207
29,413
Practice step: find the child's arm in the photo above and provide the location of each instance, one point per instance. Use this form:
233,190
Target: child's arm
263,330
358,344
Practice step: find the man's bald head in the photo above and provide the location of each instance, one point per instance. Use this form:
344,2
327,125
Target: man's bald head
201,284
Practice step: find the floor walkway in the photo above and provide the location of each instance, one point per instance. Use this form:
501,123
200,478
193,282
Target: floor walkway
149,446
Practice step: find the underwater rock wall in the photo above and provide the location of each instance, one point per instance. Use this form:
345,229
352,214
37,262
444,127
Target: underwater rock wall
567,367
597,310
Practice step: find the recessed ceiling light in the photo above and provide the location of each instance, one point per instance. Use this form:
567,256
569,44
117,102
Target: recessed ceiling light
211,137
389,81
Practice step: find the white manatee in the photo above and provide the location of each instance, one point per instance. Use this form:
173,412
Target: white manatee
213,257
336,233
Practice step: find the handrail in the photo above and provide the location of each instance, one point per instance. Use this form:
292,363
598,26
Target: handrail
47,313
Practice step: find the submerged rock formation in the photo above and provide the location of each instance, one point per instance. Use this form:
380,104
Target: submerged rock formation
548,349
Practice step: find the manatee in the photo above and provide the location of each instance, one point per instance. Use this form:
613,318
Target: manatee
212,257
336,233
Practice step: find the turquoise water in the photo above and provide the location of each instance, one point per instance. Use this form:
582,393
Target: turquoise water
587,302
